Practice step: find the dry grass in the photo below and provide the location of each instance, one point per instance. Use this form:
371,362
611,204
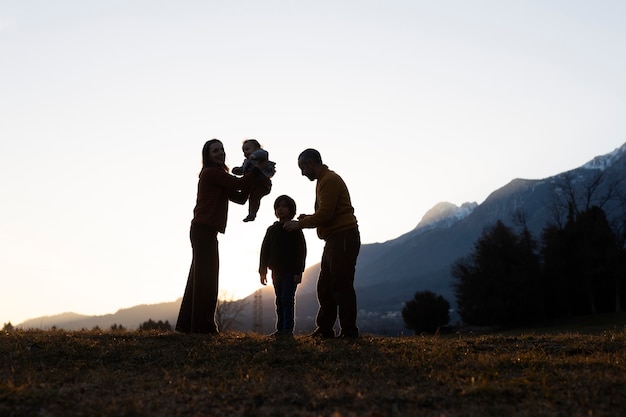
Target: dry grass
58,373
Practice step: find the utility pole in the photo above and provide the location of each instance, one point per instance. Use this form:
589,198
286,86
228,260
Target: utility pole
257,314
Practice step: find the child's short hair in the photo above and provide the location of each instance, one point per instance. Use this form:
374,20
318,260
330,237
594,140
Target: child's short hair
291,204
254,142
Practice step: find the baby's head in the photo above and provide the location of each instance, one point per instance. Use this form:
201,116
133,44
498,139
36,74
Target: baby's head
249,146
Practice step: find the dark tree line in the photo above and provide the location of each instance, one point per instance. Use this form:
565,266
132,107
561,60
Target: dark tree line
155,325
509,280
583,266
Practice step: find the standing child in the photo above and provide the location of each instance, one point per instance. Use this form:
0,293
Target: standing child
256,157
284,253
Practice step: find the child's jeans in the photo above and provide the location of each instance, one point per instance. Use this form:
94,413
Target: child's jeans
285,290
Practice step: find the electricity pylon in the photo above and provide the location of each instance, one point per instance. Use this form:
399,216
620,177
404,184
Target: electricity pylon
257,314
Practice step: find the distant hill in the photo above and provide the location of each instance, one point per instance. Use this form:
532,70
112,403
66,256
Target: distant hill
389,273
130,318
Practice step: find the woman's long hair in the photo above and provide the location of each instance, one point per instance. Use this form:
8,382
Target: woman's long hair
207,161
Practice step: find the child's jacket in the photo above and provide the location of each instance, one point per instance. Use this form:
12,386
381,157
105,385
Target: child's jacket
282,251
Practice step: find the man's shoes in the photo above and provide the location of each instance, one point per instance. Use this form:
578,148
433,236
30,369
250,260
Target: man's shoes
250,218
323,334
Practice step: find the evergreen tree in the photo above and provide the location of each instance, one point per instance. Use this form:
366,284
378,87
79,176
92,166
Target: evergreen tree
426,312
499,282
557,272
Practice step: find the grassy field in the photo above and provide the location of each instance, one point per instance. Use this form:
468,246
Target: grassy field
90,373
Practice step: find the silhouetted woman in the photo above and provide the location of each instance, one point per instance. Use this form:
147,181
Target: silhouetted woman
215,188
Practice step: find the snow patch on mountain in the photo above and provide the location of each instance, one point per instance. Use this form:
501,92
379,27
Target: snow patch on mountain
605,161
444,215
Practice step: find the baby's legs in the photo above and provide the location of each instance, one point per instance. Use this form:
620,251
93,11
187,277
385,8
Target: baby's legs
254,201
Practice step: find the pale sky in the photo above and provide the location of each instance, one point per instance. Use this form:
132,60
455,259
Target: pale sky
105,107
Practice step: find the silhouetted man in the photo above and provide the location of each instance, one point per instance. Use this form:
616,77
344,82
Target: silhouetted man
337,226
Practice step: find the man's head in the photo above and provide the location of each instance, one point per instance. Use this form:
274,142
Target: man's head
310,163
